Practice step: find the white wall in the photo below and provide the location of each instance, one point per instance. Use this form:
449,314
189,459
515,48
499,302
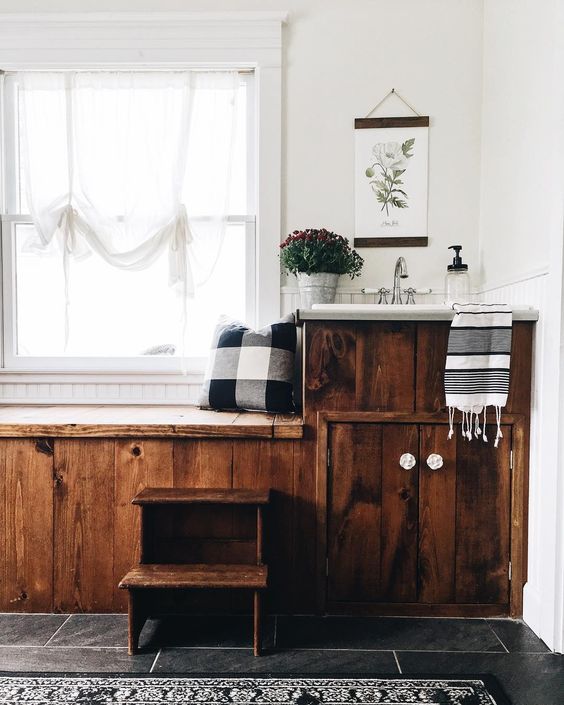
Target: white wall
341,57
521,229
519,162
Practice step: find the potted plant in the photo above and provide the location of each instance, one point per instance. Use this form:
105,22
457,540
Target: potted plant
318,258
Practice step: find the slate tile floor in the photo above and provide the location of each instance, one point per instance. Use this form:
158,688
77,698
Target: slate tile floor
530,674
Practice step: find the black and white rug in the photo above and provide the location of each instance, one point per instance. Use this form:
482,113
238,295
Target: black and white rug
58,689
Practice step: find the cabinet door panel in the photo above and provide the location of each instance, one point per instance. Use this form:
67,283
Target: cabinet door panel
330,366
483,498
437,516
399,514
432,344
354,512
385,366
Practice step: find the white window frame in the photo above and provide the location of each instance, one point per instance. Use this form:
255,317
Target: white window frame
8,223
243,40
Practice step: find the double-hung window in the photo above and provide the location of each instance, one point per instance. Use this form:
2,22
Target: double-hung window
82,289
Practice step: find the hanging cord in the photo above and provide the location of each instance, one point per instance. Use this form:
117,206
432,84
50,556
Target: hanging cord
385,98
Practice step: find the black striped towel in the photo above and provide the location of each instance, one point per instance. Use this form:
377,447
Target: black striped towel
477,366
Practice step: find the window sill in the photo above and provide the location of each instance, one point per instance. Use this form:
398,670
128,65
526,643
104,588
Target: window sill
31,376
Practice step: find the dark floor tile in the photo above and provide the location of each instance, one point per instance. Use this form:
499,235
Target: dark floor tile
29,629
387,633
528,679
111,630
22,659
217,631
517,637
92,630
242,661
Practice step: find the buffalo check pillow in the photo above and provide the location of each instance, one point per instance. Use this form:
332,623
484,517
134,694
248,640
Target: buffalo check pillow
251,370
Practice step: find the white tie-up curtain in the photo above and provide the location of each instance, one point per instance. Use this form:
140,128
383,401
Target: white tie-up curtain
129,165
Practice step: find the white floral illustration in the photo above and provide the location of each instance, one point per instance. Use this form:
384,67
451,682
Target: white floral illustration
391,158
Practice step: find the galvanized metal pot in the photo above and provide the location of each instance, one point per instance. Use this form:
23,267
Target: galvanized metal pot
319,288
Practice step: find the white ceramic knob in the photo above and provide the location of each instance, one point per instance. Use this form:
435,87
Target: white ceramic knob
407,461
435,461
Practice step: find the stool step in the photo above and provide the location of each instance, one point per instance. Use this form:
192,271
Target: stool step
197,575
180,495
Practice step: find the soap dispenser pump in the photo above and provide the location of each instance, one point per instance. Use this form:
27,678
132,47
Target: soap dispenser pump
457,280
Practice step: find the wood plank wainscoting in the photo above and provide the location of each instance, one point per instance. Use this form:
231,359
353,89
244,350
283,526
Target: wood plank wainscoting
350,530
69,531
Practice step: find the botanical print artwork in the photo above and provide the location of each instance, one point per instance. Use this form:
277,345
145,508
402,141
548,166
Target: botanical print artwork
391,177
391,161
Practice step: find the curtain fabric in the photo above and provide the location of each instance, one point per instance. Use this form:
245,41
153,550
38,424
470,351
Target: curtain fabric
128,165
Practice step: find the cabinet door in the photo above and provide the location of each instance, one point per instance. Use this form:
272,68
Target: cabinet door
464,519
483,516
437,516
372,513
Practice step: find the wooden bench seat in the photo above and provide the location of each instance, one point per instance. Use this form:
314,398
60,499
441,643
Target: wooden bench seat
109,421
197,575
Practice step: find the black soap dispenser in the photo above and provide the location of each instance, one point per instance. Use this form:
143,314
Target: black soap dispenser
457,280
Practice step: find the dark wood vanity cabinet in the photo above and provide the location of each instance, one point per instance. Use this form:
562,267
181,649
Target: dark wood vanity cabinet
446,542
416,535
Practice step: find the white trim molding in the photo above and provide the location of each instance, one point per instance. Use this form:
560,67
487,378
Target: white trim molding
47,40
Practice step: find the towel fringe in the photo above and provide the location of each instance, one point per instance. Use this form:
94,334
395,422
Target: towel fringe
471,424
499,434
450,422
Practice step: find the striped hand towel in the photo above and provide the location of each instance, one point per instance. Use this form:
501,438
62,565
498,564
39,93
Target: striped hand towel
477,366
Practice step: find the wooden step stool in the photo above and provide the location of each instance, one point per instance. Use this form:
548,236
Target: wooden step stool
151,575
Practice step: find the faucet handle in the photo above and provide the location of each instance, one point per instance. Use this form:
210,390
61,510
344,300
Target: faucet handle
410,295
383,295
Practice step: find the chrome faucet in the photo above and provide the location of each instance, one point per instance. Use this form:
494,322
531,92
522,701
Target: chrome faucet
400,272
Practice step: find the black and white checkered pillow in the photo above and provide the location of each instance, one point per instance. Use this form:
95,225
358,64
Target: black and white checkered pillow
251,370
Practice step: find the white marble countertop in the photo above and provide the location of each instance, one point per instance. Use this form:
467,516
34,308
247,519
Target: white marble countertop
394,312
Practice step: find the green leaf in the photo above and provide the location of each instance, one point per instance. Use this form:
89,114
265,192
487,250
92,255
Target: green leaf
407,146
398,172
398,202
398,190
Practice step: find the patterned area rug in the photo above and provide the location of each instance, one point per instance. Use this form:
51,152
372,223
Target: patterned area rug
58,689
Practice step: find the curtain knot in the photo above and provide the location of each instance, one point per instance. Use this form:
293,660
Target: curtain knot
67,225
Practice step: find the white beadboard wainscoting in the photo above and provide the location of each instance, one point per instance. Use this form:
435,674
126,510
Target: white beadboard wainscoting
71,388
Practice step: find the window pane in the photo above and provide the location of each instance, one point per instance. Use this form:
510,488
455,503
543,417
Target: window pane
200,168
117,313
